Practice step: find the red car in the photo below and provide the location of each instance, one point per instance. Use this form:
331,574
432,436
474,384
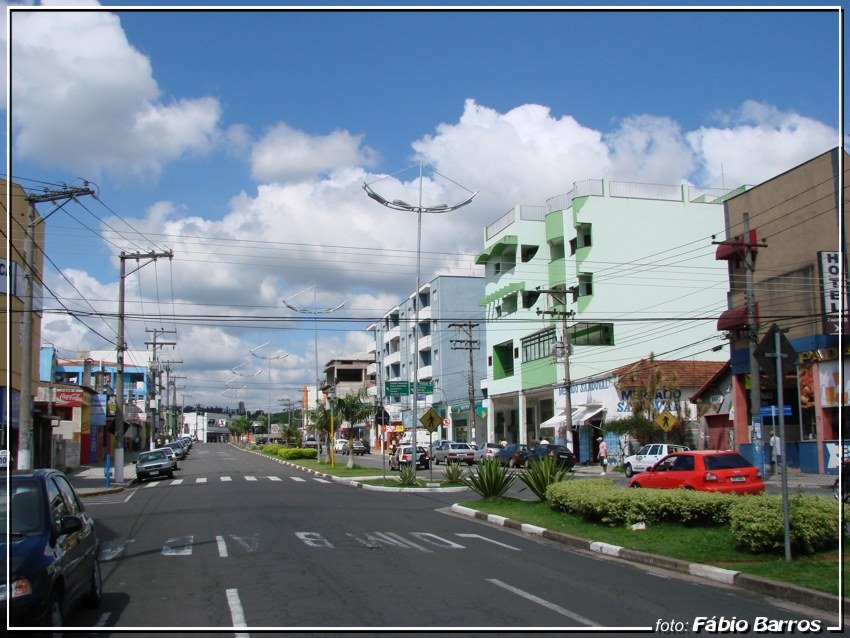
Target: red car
706,471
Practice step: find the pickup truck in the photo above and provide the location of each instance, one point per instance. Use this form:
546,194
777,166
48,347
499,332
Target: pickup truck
648,456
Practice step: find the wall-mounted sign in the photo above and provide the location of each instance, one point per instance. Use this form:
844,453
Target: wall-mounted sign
830,282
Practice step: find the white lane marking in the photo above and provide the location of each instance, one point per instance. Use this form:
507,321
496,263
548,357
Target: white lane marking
321,480
273,478
250,478
489,540
222,546
179,546
130,496
103,619
225,479
176,482
202,479
151,484
298,479
544,603
391,538
236,613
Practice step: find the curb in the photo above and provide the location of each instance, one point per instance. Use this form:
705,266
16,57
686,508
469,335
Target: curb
764,586
355,482
96,491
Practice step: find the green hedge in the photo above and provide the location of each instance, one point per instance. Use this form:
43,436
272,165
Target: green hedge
271,448
601,501
294,453
756,521
758,524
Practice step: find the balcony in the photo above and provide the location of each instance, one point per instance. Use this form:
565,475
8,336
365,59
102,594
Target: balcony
392,358
425,372
424,342
392,333
425,313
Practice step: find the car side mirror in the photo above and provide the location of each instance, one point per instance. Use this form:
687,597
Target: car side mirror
70,524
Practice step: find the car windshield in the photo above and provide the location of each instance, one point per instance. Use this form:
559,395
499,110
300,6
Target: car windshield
152,456
725,462
26,507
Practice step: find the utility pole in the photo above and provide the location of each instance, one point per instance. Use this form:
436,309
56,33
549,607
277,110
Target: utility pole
118,449
65,195
152,414
749,247
559,298
470,345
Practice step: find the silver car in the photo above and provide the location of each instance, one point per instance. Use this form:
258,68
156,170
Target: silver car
153,464
454,452
486,452
170,454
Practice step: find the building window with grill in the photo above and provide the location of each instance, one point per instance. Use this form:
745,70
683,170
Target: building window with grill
539,345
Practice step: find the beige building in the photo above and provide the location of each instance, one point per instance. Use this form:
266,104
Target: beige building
21,214
798,285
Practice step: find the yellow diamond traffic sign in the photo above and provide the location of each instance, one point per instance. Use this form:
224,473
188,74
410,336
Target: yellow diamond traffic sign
665,420
431,420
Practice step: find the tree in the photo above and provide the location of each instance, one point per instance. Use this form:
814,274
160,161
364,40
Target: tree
354,409
650,392
239,426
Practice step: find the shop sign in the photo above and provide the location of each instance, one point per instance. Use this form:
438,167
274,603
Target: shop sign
831,293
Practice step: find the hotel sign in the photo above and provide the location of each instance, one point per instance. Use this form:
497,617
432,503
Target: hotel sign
831,291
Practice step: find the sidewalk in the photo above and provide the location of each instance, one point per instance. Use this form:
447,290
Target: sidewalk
90,480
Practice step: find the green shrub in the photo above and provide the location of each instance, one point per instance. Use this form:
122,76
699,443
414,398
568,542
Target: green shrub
295,453
601,501
542,473
407,474
271,448
758,525
490,480
454,473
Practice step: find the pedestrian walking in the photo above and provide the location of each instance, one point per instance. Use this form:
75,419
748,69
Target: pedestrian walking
603,456
775,453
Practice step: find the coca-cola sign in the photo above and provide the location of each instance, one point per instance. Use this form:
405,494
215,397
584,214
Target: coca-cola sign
68,398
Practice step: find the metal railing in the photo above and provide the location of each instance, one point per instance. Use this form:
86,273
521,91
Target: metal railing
500,224
634,190
533,213
580,189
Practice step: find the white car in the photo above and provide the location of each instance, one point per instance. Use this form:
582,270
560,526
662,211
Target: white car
648,456
341,446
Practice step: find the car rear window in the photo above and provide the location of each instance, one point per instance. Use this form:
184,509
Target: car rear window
725,461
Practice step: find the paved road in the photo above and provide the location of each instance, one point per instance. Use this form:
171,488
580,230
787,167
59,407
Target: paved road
240,541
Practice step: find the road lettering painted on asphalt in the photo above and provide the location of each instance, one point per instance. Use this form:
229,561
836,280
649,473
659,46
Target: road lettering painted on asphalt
489,540
394,540
108,551
314,539
222,547
249,543
179,546
437,541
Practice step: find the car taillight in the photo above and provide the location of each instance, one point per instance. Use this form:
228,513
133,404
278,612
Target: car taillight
710,476
405,457
551,453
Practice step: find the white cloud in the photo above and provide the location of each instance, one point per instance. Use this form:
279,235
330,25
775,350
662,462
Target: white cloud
756,143
86,101
286,155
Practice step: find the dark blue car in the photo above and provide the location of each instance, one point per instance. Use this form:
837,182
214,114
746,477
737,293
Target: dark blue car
53,549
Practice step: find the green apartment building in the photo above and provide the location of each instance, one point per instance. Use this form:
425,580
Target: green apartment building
626,268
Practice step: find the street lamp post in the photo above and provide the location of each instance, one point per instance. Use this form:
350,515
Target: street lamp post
315,311
419,209
269,359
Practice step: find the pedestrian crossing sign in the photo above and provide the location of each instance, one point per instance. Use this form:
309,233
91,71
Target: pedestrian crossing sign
431,420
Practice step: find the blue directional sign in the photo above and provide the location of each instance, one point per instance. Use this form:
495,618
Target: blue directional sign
772,410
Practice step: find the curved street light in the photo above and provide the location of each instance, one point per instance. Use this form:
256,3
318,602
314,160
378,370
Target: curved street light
419,209
269,359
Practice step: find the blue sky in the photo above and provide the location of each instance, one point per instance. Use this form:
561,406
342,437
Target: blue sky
240,139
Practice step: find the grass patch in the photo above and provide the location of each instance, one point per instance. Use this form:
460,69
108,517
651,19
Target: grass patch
706,545
393,482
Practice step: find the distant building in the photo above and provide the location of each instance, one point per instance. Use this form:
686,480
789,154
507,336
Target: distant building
450,322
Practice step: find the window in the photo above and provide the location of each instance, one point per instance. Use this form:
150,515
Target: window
503,364
539,345
584,287
682,463
527,253
582,238
529,298
74,505
58,508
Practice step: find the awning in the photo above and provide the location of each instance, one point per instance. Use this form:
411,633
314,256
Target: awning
735,318
580,416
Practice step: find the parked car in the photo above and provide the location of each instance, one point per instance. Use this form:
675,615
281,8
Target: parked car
53,549
179,452
513,455
170,454
185,445
704,470
454,452
341,446
486,451
561,453
648,456
310,442
154,463
403,455
367,447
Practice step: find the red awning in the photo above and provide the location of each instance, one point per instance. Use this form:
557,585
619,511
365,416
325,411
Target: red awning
735,318
735,247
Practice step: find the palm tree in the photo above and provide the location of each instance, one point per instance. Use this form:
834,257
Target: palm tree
354,409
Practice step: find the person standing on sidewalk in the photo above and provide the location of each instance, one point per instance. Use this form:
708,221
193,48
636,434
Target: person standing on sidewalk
775,453
603,456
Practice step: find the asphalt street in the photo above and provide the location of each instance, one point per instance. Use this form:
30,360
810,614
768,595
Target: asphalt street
240,541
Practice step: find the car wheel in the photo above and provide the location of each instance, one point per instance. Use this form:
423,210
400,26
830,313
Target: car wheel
437,462
527,464
426,466
54,616
171,475
628,471
140,478
95,594
512,463
635,485
469,463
